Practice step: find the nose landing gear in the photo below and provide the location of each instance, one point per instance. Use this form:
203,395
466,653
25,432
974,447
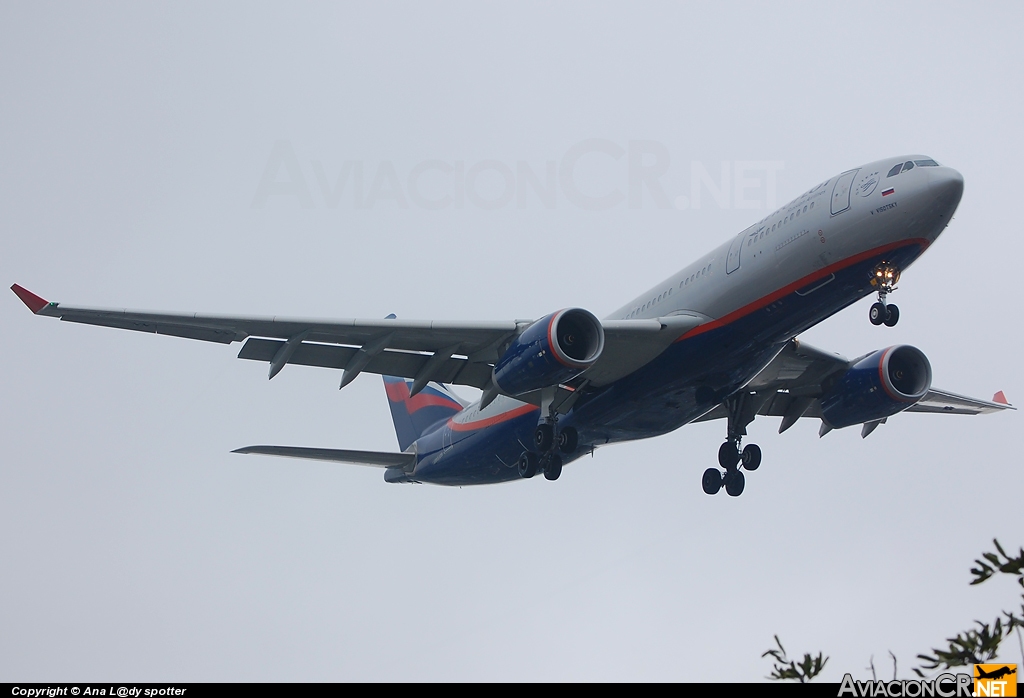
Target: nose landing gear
884,277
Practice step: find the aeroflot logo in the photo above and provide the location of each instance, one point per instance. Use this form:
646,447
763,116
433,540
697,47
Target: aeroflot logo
594,174
988,680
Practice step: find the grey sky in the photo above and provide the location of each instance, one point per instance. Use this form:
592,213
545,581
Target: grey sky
133,139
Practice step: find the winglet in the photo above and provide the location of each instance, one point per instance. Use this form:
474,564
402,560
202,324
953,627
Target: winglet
34,302
1000,398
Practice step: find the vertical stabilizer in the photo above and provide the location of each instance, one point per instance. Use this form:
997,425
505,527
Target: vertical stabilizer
414,416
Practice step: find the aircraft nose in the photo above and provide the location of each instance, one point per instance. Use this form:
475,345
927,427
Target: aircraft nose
947,183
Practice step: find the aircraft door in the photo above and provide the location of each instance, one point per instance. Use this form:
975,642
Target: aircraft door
732,262
842,190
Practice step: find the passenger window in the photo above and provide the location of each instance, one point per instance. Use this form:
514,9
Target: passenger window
895,170
805,209
908,165
812,204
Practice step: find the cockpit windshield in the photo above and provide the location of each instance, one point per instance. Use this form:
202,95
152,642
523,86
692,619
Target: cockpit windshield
909,165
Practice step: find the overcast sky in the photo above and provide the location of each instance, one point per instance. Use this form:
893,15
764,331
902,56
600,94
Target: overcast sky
187,157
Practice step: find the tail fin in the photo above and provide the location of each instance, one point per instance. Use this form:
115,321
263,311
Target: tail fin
414,415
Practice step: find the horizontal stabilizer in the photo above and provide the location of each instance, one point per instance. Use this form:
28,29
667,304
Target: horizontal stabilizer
378,459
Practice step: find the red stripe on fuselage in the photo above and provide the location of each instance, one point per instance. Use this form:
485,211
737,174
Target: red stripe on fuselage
800,283
491,421
399,392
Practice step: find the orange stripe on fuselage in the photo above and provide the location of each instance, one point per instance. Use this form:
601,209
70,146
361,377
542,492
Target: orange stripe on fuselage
800,283
491,421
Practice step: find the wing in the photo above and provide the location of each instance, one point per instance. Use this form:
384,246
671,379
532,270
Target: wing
951,403
461,353
789,387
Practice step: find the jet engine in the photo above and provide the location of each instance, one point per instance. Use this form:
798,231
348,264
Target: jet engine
553,350
877,386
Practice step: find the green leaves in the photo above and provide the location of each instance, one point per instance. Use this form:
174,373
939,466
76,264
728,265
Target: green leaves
785,669
1004,564
980,645
970,647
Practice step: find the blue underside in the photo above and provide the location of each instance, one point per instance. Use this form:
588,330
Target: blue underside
690,378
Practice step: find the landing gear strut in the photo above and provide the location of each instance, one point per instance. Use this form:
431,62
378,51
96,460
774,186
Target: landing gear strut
731,455
549,443
884,277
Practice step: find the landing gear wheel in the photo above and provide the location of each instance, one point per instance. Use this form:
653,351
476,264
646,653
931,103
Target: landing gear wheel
751,457
527,465
878,314
553,468
543,437
892,315
568,440
734,482
728,455
712,481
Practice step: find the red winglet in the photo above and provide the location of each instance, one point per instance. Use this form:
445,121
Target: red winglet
1000,398
34,302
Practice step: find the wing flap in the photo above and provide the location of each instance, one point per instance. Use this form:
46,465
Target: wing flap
458,371
377,459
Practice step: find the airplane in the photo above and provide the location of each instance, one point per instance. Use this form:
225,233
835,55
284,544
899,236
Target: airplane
717,340
995,674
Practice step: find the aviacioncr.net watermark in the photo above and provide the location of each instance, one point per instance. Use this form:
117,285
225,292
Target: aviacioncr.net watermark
594,175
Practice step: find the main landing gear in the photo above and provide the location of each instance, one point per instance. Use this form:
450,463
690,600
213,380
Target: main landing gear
884,276
549,443
732,456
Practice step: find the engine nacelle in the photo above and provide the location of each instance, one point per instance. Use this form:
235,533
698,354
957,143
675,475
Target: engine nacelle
555,349
878,386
